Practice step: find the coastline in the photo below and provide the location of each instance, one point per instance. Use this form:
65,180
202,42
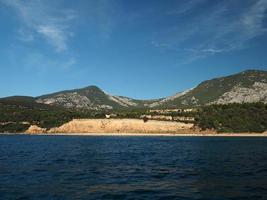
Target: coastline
131,127
146,134
163,134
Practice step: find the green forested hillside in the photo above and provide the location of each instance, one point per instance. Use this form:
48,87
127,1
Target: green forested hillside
247,86
17,113
211,90
249,117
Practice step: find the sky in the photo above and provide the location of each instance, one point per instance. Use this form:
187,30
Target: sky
142,49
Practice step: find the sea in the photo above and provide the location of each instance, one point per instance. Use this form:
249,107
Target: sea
133,167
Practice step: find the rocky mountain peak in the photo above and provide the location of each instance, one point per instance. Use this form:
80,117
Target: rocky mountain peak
247,86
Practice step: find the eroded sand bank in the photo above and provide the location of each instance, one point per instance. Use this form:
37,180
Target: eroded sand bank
130,127
120,126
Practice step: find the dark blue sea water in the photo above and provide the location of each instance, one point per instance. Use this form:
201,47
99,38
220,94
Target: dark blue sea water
187,168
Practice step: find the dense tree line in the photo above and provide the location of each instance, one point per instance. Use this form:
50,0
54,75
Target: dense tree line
247,117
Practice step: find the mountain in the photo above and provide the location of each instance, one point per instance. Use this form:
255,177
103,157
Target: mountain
92,98
245,87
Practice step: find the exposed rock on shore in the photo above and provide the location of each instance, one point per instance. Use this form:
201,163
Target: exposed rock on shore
33,129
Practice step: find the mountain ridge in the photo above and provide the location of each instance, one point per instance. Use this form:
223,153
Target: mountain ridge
246,86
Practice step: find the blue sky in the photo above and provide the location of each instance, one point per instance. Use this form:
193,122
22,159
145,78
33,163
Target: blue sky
142,49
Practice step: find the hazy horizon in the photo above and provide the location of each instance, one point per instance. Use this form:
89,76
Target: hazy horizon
139,49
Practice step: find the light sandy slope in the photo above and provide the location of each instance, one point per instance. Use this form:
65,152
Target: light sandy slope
120,126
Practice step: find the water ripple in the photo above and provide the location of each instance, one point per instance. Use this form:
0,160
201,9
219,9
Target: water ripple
59,167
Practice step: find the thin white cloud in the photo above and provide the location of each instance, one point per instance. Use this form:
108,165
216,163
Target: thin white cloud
55,36
208,50
52,23
216,30
253,20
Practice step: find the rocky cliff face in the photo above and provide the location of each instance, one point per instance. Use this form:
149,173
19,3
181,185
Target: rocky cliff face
238,94
35,130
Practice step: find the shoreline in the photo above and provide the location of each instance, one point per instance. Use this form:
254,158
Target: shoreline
132,127
147,134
